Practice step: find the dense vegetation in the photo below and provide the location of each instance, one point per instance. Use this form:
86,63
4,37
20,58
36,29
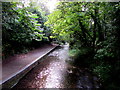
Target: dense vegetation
23,28
92,30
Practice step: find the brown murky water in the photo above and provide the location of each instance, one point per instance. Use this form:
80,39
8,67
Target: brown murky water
55,72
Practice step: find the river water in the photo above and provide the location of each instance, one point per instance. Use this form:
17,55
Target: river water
55,71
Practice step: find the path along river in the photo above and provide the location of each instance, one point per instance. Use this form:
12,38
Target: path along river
55,71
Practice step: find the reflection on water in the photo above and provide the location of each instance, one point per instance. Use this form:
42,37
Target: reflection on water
55,72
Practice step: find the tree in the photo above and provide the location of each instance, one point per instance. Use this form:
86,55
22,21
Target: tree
94,29
20,27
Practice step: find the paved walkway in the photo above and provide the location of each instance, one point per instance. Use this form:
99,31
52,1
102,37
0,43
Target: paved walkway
18,63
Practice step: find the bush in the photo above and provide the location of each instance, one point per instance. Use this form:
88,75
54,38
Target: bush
103,71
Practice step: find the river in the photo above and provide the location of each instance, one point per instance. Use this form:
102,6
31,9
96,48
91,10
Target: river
55,71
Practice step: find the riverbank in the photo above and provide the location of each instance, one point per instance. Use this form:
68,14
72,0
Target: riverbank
15,67
55,71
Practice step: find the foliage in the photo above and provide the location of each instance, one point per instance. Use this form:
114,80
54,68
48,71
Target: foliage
73,52
92,28
21,26
14,19
103,71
